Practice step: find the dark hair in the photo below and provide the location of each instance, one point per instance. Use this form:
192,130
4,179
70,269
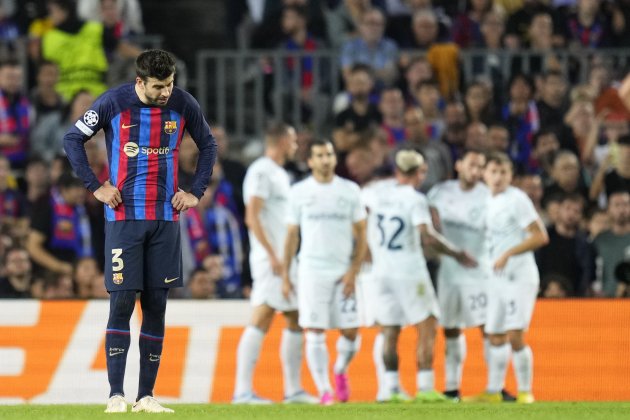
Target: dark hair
499,158
541,133
471,150
276,130
572,196
360,67
552,73
196,271
297,9
68,180
318,142
424,83
10,62
525,78
158,64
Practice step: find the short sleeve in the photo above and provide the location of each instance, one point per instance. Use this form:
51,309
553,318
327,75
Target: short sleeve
526,212
420,211
258,184
432,195
293,215
358,209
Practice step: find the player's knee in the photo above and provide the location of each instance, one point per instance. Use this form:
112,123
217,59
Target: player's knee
122,304
153,302
350,333
315,337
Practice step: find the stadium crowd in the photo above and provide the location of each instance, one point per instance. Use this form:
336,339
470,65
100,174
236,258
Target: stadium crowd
568,138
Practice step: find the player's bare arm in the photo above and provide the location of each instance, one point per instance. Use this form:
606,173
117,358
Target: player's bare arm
290,248
252,220
182,201
109,195
438,242
537,237
360,250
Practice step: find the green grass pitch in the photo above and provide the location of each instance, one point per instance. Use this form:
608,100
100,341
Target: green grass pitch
551,411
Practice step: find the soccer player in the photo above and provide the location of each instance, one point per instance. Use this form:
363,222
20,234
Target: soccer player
266,193
398,219
458,209
143,124
514,231
327,219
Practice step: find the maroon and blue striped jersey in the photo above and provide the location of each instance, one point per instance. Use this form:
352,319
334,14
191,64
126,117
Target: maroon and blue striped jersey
142,147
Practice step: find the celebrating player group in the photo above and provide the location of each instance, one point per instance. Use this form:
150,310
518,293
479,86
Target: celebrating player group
313,240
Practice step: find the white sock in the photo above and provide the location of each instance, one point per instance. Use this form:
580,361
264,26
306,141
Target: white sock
523,368
392,381
317,360
425,380
498,359
345,352
291,357
454,362
246,358
379,364
486,350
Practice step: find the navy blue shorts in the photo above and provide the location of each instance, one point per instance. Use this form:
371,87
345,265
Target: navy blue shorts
142,254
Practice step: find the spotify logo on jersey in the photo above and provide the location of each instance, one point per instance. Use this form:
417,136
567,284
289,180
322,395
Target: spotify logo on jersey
131,149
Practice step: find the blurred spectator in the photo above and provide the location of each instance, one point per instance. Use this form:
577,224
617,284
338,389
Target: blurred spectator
568,253
85,271
518,24
78,48
361,113
588,27
555,286
37,181
44,98
597,222
546,145
128,11
436,154
429,99
476,136
98,287
418,70
200,285
606,94
614,174
15,118
392,108
455,129
371,48
399,25
620,11
233,170
59,166
467,26
566,177
613,245
491,63
61,231
540,44
12,203
532,185
581,129
9,32
47,134
521,117
343,20
478,103
18,277
552,103
188,161
498,138
58,286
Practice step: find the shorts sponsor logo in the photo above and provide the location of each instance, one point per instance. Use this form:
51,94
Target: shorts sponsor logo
117,278
90,118
170,127
131,149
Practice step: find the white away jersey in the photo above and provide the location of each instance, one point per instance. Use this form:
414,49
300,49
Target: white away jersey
508,214
463,220
269,181
325,214
395,212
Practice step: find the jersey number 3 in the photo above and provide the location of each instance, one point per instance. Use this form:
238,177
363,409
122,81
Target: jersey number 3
398,225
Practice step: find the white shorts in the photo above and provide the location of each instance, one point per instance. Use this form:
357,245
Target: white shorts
267,288
405,301
462,305
511,300
322,305
367,296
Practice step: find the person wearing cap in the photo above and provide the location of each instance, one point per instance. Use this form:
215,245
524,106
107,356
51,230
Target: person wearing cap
399,226
61,231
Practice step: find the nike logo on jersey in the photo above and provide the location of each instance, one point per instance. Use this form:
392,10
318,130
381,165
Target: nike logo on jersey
114,351
170,280
128,126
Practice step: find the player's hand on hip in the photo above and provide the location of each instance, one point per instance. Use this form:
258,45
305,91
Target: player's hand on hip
287,287
467,260
109,195
500,263
183,201
348,281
